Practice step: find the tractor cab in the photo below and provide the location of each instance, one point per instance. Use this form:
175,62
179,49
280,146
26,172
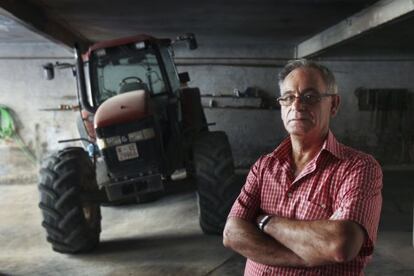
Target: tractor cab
136,63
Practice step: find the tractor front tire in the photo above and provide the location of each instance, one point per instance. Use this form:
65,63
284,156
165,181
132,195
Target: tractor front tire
217,184
72,225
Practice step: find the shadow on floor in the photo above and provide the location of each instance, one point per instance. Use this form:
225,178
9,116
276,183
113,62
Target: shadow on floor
160,242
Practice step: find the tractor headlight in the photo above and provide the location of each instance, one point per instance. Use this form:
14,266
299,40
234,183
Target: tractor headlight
108,142
113,141
100,52
144,134
135,136
101,143
140,45
148,133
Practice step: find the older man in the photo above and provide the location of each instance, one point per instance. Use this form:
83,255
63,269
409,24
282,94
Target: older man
312,206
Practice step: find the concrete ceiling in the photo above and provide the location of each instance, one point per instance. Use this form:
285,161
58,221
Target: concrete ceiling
13,32
394,40
230,21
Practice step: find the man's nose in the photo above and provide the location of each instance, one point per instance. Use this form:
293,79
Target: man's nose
298,104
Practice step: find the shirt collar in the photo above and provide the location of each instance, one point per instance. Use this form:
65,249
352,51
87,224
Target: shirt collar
333,146
330,144
283,151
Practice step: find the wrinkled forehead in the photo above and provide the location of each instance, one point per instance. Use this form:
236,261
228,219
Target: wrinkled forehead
303,78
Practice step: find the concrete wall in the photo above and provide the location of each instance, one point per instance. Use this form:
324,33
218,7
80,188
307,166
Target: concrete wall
24,90
388,135
252,132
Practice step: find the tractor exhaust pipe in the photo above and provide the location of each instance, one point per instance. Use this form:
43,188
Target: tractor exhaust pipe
80,76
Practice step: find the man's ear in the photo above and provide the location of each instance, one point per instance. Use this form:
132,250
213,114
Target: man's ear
336,100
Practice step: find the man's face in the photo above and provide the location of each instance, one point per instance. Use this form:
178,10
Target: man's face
301,119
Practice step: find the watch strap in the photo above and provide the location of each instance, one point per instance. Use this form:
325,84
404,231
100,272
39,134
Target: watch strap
264,221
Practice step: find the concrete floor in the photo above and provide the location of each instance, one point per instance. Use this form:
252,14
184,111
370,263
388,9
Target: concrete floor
163,237
159,238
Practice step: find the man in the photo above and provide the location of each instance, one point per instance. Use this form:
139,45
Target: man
312,206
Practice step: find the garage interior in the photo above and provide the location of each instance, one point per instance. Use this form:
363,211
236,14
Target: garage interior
242,45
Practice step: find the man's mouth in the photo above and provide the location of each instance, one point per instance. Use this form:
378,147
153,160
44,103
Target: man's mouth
299,119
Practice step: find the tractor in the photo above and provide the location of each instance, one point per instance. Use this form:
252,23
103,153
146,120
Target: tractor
141,129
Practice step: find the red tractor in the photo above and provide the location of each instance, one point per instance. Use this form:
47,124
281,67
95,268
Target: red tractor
141,131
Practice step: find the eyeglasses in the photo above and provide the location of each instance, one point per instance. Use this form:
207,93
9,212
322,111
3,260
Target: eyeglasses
307,98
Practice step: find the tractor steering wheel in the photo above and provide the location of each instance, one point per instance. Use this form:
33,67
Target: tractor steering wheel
125,80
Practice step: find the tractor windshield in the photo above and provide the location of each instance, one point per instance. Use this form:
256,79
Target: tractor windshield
123,69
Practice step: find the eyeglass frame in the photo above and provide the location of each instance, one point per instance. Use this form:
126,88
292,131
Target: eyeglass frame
302,98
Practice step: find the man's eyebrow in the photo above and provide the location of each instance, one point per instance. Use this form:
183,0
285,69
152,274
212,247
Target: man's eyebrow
287,92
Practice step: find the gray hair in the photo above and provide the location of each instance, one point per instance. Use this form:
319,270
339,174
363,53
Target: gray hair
326,74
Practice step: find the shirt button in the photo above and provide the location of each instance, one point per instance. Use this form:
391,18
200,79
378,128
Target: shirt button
289,195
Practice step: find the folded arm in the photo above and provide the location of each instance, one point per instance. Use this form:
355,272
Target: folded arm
246,239
318,242
287,242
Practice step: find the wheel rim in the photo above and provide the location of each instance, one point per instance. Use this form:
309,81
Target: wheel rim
91,213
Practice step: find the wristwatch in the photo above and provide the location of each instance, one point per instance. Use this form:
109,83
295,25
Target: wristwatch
264,221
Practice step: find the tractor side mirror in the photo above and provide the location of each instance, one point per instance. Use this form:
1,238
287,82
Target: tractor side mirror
184,77
191,40
49,71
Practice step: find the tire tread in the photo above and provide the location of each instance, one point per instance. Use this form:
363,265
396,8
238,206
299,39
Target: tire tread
62,179
216,183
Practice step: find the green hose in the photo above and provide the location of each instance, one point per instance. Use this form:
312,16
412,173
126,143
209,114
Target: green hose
8,131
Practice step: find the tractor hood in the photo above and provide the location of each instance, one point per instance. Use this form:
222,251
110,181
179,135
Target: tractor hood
123,108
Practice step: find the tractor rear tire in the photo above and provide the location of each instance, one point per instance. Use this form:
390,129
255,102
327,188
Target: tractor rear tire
72,225
217,184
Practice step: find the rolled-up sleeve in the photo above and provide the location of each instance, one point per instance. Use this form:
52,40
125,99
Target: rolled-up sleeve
247,203
359,199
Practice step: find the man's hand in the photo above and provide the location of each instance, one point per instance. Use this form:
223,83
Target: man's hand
245,238
318,242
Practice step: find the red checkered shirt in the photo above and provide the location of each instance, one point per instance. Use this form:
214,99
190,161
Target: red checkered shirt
340,183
